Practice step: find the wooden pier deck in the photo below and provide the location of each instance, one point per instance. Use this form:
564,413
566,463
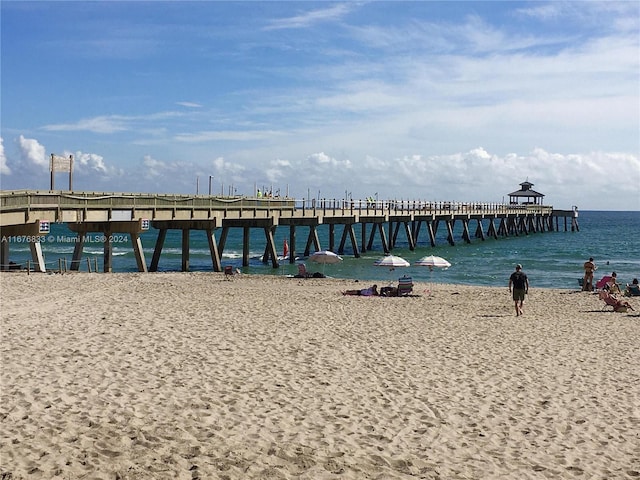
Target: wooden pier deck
26,216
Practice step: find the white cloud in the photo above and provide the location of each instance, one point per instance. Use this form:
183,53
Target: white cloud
32,153
278,170
236,135
189,104
621,15
108,124
153,167
477,175
223,167
90,161
312,17
4,168
102,124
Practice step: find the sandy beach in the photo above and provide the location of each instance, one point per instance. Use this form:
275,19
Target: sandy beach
191,376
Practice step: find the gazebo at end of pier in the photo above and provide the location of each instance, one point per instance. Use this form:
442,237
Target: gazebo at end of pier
531,197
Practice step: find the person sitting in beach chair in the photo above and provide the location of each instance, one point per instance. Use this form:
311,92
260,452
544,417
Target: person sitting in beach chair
612,284
633,289
302,271
620,306
405,286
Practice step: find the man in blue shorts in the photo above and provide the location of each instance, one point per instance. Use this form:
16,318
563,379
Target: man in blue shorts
519,284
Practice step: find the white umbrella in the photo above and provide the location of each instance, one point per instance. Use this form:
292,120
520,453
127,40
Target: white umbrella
391,261
432,261
324,257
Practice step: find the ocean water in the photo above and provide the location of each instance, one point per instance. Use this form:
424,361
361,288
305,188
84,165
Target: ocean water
550,259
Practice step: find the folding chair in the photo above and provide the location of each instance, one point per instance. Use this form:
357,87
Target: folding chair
228,272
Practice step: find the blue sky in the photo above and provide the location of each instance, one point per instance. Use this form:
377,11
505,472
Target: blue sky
457,101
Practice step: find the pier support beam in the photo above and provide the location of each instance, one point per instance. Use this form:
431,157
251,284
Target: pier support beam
162,234
433,230
480,230
450,238
312,239
383,237
108,230
407,231
465,231
292,244
28,232
502,228
271,246
163,226
332,237
185,249
348,231
492,229
574,224
363,237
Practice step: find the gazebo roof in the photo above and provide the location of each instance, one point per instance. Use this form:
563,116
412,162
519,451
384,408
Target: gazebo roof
525,192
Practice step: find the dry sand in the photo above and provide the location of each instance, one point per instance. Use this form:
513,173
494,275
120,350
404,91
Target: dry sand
190,376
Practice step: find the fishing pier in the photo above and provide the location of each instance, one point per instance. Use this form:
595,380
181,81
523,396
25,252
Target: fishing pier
26,217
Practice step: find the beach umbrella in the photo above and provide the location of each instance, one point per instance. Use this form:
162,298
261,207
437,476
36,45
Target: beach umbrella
391,262
324,257
432,262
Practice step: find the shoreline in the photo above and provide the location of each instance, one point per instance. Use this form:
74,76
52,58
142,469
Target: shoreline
379,280
191,375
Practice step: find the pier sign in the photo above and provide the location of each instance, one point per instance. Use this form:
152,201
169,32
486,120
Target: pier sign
44,226
144,224
61,164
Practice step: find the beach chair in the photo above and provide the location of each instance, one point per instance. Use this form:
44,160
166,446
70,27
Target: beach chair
228,272
405,286
600,284
619,306
632,291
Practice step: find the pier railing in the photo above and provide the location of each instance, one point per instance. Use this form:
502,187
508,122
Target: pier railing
26,199
417,206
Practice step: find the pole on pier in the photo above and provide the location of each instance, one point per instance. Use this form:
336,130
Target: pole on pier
108,252
213,249
155,260
185,249
77,251
138,251
36,255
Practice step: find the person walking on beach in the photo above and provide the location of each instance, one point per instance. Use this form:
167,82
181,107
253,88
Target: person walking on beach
519,285
589,268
